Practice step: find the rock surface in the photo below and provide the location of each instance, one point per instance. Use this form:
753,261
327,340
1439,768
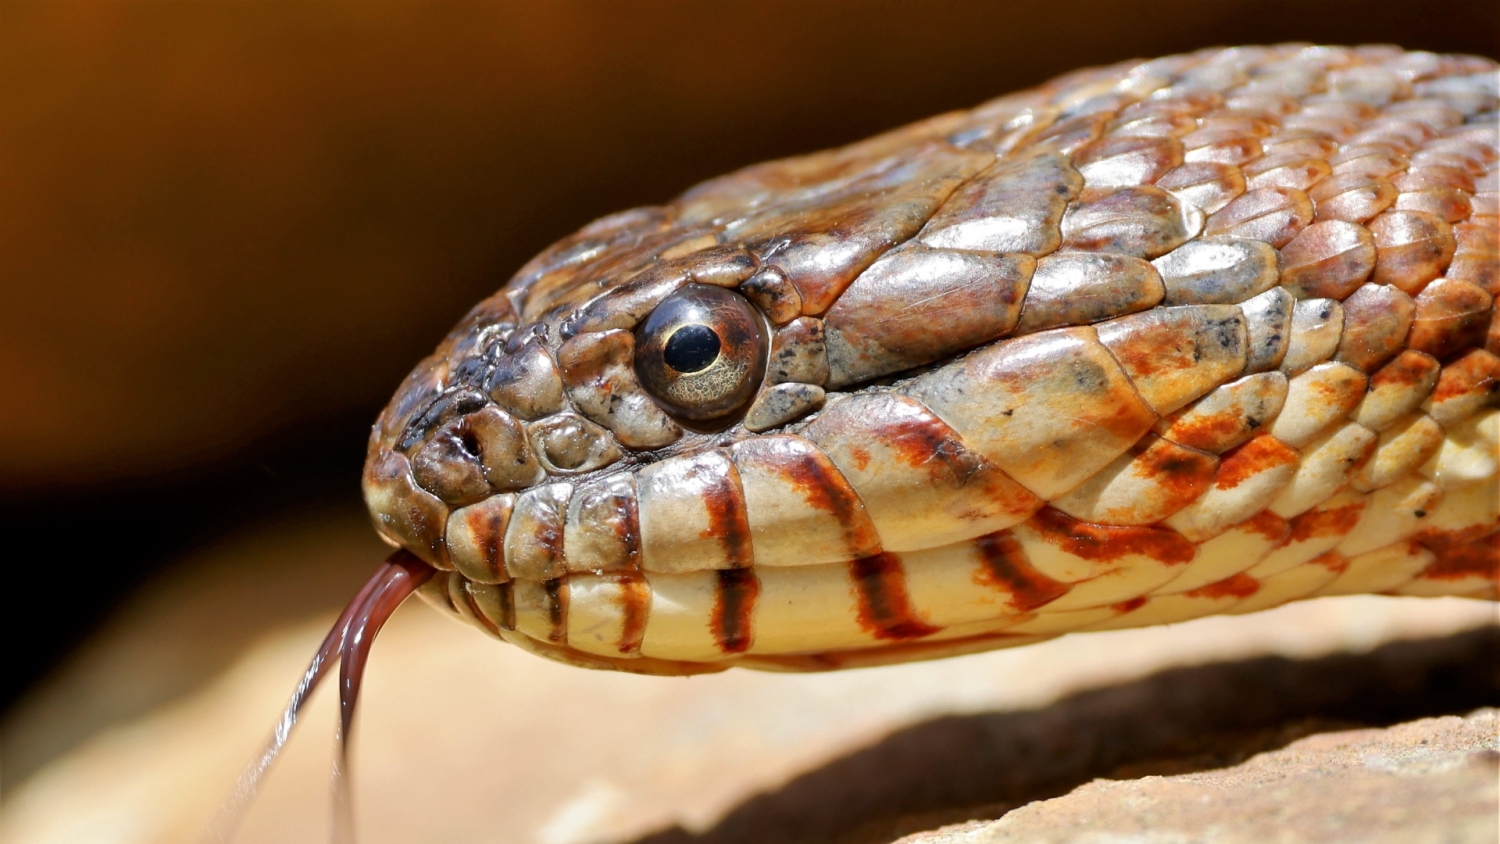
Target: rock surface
1432,780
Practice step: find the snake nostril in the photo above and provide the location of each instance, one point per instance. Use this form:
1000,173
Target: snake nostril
475,455
446,467
469,443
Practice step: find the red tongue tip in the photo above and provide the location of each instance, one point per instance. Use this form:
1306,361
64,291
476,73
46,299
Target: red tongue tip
350,641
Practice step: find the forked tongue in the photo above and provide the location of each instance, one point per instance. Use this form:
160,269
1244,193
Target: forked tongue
349,642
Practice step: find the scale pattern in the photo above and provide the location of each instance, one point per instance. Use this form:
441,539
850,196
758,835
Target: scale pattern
1197,335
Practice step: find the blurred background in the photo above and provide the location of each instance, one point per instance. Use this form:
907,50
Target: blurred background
228,228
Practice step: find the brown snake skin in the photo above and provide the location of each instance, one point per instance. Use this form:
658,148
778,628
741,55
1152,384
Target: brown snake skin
1197,335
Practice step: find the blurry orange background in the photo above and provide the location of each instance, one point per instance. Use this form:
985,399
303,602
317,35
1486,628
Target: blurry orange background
227,229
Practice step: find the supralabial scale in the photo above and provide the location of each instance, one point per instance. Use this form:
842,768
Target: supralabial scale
1167,339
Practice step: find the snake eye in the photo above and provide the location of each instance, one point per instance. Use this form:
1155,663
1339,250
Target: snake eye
701,352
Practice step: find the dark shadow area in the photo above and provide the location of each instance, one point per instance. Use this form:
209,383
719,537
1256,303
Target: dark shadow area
114,540
1189,719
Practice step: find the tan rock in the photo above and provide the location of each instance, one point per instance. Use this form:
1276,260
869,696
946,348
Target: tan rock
1433,780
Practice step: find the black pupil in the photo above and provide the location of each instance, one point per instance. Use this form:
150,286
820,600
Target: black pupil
691,348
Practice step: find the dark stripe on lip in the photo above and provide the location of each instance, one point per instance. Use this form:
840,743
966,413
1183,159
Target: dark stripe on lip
557,611
628,527
547,532
725,502
924,441
507,607
1006,567
734,603
635,606
884,605
822,486
488,525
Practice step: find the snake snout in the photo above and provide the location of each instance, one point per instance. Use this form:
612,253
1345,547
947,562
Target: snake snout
482,428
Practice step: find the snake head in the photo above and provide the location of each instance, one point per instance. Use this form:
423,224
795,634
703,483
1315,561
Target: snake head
648,334
652,333
617,346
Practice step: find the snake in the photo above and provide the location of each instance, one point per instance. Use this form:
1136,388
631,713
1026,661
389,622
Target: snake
1171,338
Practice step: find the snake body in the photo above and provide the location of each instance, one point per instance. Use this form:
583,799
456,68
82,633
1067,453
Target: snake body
1197,335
